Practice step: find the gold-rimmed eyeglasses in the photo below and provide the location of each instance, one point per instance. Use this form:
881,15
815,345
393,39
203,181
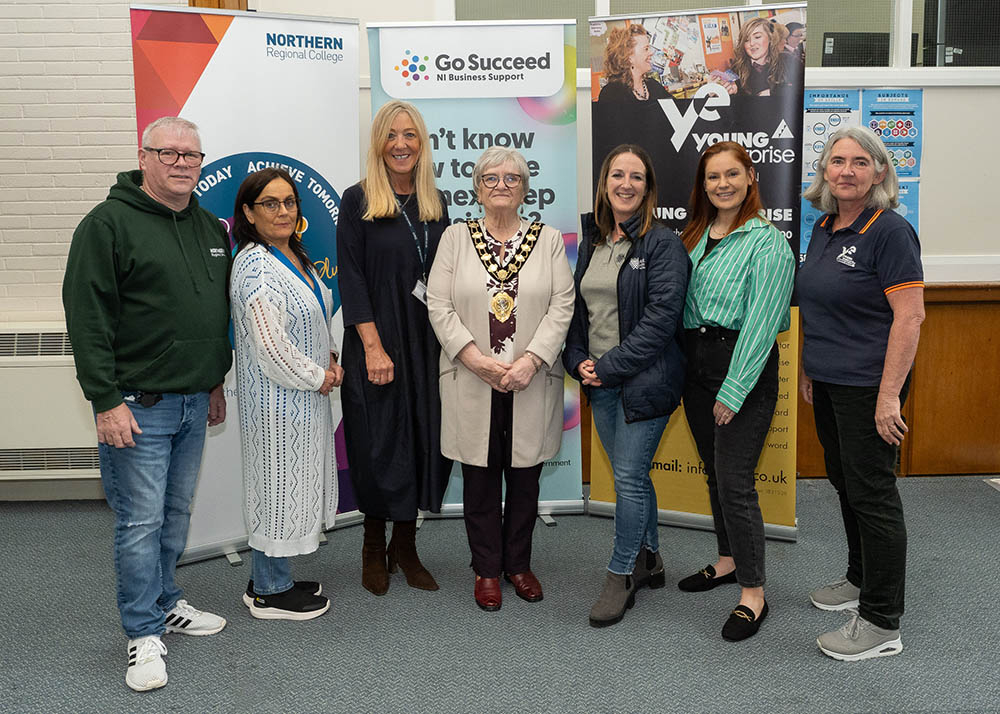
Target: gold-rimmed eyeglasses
493,180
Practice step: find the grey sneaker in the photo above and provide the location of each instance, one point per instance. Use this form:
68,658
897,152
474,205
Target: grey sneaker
859,639
648,570
617,596
838,595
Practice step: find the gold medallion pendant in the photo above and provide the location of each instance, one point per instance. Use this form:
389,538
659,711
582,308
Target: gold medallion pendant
502,305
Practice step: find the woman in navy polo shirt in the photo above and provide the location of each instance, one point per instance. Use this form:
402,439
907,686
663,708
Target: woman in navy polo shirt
860,294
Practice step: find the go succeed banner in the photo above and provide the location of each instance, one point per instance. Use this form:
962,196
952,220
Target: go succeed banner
676,83
264,90
482,84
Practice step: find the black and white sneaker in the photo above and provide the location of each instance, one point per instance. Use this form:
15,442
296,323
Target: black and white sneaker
146,668
306,586
293,604
188,620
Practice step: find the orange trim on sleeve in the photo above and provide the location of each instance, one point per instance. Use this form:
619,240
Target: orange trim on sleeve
870,221
904,286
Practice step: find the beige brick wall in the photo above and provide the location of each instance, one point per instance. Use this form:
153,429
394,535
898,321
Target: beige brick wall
67,126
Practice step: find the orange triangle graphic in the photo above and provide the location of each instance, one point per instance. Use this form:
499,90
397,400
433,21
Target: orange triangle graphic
178,64
218,24
151,95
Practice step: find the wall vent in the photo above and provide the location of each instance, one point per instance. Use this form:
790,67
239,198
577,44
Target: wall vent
74,459
35,344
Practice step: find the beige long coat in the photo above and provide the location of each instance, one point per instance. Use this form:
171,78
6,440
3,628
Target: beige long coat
458,305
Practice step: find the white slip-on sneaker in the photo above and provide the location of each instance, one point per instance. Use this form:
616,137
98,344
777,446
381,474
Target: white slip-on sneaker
191,621
146,668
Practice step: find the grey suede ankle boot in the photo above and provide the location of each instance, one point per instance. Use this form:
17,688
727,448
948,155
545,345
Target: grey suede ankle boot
648,570
617,596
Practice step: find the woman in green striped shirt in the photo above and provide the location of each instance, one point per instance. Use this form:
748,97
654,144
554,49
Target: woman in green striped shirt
737,302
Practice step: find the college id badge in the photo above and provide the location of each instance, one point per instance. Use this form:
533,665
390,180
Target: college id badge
420,291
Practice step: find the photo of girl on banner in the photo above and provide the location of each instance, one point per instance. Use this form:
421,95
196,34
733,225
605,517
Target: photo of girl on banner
678,83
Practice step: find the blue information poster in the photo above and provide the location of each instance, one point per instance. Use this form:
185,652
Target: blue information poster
898,116
909,202
825,111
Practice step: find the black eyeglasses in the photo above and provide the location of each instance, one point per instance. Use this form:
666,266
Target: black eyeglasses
509,180
270,205
170,156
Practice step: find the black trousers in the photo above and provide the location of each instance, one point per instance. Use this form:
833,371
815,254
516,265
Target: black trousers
500,540
862,468
730,452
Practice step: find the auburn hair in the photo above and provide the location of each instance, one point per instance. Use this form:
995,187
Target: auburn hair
701,211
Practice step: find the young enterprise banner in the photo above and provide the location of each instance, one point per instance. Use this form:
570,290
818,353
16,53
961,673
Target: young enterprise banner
708,76
264,90
486,84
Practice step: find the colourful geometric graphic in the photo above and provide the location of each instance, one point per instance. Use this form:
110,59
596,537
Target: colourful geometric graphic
560,108
169,53
411,67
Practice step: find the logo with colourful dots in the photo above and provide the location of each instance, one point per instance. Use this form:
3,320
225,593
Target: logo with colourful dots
412,67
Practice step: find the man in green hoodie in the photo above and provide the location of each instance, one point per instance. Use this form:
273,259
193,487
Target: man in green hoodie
147,314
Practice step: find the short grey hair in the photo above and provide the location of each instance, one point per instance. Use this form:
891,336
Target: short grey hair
494,156
175,123
882,195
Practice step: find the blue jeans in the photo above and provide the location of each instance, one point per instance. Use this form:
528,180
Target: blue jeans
149,487
630,449
271,575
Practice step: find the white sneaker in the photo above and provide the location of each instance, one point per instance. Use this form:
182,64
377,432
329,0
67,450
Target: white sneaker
146,668
189,621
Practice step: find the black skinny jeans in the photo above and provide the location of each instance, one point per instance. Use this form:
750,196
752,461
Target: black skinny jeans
862,467
730,452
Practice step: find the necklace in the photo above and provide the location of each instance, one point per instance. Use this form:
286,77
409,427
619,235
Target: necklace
641,94
502,304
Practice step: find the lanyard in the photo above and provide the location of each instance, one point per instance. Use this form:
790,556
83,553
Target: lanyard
421,249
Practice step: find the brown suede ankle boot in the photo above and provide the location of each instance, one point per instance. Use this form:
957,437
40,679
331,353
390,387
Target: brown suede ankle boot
374,575
403,552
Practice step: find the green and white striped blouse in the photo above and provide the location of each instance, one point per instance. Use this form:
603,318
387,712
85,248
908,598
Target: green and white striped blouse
744,284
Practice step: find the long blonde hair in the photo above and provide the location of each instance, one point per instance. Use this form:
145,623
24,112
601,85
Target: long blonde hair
776,36
380,201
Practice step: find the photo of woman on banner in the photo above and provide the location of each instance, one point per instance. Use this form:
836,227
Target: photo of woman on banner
737,303
500,298
388,232
286,365
625,346
627,109
861,297
763,68
627,66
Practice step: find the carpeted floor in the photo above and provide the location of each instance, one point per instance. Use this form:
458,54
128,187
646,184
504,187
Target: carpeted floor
62,650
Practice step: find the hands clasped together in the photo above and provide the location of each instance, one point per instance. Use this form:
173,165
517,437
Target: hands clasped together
500,376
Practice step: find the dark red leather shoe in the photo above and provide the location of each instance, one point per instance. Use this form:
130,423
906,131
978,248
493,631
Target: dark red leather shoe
488,593
526,585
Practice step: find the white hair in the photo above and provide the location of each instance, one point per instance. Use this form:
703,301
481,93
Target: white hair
496,155
176,123
882,195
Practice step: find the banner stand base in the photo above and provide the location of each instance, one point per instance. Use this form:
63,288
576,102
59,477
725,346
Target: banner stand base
232,548
695,520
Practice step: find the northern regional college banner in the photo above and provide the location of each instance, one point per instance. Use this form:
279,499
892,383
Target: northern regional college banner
482,84
264,90
701,88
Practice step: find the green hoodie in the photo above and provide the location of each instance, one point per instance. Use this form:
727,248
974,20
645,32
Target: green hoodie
145,297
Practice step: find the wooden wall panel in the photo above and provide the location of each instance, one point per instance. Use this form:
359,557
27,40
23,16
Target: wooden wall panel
955,425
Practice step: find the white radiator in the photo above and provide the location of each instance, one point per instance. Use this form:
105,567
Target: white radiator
46,425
